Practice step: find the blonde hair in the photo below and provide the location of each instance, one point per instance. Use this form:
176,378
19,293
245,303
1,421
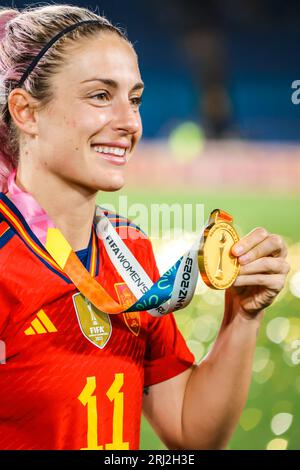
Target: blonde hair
22,36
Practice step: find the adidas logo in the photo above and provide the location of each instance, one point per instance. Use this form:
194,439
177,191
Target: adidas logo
41,324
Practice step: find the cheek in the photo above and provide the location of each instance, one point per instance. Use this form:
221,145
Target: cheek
65,135
68,123
79,130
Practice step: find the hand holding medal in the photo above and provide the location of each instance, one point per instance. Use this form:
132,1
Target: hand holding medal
263,271
254,267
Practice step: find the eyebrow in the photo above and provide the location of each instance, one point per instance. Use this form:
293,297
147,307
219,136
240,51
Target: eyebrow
113,83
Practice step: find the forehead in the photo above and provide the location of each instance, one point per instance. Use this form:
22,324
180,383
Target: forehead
105,54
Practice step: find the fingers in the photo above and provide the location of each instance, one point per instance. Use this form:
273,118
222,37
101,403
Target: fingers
266,265
275,282
249,241
258,244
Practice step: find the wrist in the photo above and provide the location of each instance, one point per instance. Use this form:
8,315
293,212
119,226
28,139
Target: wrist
242,329
235,312
243,318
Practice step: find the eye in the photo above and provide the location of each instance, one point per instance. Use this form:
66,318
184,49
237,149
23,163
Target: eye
103,96
136,101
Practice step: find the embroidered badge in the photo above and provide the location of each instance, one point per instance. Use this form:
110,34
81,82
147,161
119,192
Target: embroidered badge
94,324
126,297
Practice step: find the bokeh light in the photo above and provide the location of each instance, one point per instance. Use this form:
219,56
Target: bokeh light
167,252
186,141
277,444
294,330
277,329
261,359
250,418
265,374
281,423
205,328
294,284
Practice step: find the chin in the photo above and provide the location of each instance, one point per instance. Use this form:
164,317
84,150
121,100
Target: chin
114,184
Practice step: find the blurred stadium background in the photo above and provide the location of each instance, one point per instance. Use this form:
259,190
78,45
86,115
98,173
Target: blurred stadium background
220,128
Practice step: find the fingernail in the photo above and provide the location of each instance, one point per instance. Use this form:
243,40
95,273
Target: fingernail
238,249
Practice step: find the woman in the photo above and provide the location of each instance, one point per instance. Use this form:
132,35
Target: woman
73,377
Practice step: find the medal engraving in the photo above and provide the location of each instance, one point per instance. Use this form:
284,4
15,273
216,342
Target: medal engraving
219,273
218,267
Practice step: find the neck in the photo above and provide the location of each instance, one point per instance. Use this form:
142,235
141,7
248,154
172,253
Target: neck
70,206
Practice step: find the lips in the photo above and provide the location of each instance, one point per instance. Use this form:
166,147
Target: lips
106,153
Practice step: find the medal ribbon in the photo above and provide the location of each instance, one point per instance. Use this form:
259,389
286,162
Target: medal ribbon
173,291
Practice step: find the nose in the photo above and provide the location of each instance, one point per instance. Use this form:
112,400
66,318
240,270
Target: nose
127,118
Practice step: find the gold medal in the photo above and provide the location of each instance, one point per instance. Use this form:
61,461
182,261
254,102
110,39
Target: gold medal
218,267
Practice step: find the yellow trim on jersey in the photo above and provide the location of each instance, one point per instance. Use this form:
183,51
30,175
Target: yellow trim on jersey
93,256
27,238
57,245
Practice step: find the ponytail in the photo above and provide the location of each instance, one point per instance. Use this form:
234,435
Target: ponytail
7,159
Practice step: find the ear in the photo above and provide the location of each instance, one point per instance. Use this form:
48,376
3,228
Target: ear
22,108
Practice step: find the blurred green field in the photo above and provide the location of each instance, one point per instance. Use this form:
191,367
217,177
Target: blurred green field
273,407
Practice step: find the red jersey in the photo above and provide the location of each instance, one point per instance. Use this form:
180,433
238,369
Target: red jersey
62,389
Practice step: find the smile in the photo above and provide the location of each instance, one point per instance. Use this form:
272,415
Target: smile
114,155
120,152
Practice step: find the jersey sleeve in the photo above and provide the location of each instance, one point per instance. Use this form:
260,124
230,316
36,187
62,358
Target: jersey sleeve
167,354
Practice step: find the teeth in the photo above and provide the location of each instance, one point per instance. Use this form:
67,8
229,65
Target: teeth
113,150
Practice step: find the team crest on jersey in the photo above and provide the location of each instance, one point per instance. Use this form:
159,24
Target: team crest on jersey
94,324
126,297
